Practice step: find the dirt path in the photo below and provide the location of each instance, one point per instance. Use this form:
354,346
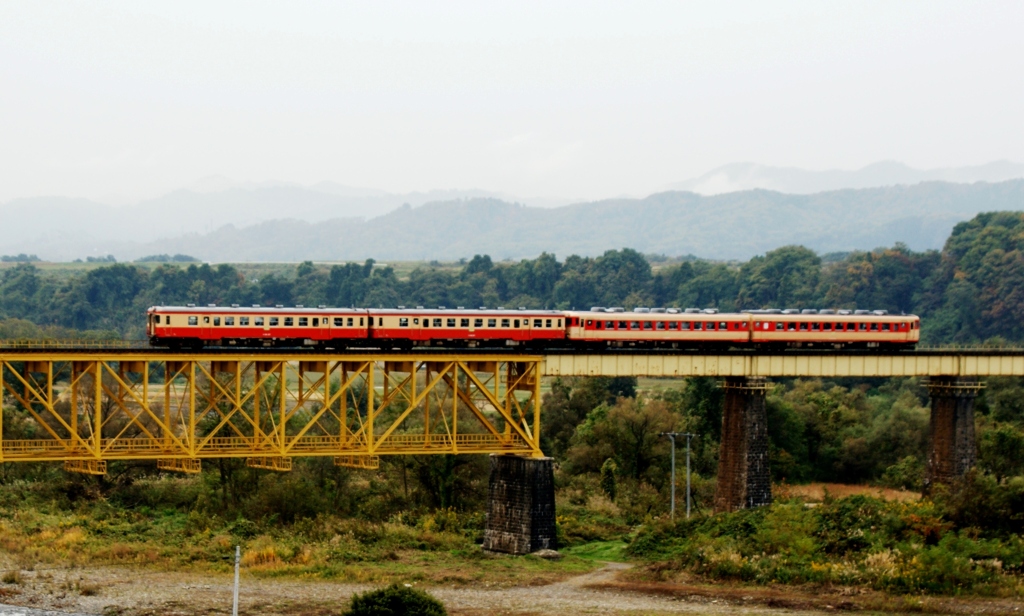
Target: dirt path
126,592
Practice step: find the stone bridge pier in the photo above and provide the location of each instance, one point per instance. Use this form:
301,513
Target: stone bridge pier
744,477
952,450
520,505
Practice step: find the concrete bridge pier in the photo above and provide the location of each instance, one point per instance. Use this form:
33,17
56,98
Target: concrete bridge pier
744,478
952,450
520,505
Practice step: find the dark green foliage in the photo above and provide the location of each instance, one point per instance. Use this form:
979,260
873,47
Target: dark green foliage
900,547
608,478
395,600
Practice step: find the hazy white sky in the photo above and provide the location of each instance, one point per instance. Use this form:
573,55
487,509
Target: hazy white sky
572,99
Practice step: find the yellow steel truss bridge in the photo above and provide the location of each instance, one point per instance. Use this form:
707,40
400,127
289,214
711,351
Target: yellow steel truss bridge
88,409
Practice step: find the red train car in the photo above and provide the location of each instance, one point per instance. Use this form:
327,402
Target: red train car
835,329
658,327
195,327
409,327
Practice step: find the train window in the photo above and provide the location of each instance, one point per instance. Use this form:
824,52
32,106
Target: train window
600,325
685,325
415,321
193,320
723,326
403,322
504,322
672,325
862,327
259,321
757,325
350,321
229,320
426,322
492,322
660,325
744,325
874,327
167,320
463,322
274,321
316,321
634,325
338,321
206,320
826,327
479,323
559,322
216,321
243,320
698,325
815,327
622,325
538,322
590,322
360,321
547,323
303,321
437,322
803,327
451,322
709,326
289,321
648,325
380,321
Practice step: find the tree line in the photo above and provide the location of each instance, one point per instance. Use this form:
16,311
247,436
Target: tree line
972,290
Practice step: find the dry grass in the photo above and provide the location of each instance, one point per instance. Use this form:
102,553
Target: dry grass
815,492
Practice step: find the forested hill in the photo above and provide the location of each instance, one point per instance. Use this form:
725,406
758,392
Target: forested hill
730,226
972,290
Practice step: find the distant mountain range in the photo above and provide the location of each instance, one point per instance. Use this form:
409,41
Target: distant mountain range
748,176
730,226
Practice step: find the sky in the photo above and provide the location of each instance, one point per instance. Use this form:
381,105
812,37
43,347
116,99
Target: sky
120,101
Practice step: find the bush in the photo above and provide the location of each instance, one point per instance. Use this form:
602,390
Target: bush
395,600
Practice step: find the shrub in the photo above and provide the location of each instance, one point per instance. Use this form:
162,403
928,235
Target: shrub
395,600
608,478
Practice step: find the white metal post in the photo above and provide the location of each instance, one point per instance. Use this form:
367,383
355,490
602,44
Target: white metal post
238,559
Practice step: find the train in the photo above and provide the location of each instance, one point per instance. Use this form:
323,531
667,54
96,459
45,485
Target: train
195,327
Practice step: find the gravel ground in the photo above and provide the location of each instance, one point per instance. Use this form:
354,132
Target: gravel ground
129,592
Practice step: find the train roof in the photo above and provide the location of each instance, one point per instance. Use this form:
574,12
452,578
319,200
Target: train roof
477,311
710,312
254,309
208,309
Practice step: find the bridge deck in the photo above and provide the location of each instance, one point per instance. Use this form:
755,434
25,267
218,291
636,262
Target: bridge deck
809,364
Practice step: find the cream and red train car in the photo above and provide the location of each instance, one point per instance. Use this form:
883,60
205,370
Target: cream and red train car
195,327
835,329
409,327
669,328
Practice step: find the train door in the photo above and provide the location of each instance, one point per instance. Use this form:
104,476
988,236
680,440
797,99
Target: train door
205,327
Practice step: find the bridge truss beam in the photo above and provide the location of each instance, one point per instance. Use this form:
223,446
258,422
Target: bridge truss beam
85,409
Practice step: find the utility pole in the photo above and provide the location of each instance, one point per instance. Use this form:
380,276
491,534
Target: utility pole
672,437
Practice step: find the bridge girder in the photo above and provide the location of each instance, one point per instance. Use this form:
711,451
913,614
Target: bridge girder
266,408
